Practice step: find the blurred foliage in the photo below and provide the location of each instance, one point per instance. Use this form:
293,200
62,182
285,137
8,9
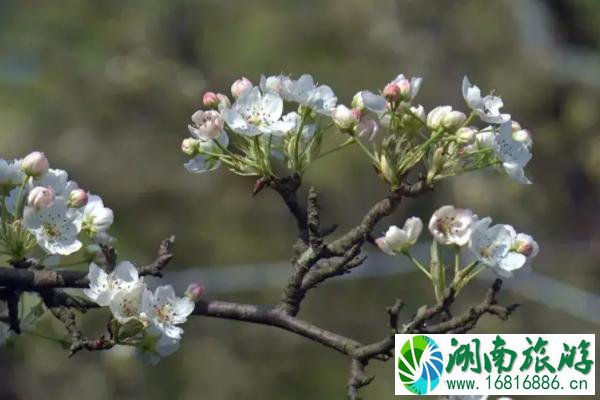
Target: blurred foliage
106,89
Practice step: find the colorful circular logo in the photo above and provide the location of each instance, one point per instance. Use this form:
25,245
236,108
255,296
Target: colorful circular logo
420,364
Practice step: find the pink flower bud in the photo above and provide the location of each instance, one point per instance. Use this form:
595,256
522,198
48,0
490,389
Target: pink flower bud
391,92
194,291
35,164
78,198
40,197
240,87
210,100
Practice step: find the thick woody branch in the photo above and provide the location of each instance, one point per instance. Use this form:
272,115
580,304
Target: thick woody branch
331,267
43,279
358,378
274,316
33,280
317,261
382,209
288,190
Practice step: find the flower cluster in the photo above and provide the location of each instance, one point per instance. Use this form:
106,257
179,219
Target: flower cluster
498,247
262,132
281,122
147,320
43,213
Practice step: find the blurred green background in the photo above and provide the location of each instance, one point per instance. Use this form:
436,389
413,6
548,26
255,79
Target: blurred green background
106,88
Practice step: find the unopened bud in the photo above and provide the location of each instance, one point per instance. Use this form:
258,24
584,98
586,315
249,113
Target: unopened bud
357,102
515,126
453,120
343,117
391,92
386,171
35,164
210,100
436,116
240,86
189,146
194,291
526,245
437,161
40,197
78,198
466,135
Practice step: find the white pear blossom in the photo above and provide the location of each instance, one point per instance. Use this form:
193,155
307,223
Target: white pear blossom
397,240
255,113
55,228
486,108
450,225
126,304
165,310
497,247
154,346
304,91
96,219
514,154
11,175
206,125
104,286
